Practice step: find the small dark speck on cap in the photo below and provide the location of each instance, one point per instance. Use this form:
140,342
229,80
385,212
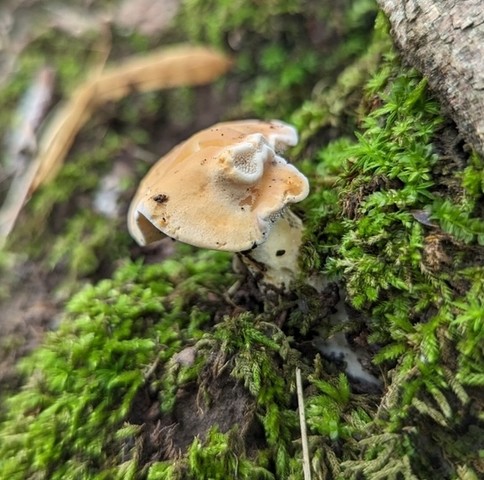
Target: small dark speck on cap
280,253
160,198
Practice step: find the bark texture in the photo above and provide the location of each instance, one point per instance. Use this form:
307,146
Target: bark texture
444,40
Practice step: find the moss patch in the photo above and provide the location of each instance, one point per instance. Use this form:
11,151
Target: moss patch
405,245
101,354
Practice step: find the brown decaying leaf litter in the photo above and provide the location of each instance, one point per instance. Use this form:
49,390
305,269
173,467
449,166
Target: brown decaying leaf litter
176,66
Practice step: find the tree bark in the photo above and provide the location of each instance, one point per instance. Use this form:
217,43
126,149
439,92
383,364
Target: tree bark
444,40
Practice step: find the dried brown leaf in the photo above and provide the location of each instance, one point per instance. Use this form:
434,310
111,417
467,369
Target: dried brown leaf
177,66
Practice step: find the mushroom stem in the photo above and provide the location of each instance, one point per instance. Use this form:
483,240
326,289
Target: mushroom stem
276,260
226,188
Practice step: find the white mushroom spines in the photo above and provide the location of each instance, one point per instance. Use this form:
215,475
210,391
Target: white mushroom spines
220,189
244,161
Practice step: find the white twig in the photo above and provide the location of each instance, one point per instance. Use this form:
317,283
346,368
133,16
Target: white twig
302,422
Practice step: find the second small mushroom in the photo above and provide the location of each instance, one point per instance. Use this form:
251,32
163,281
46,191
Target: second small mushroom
226,188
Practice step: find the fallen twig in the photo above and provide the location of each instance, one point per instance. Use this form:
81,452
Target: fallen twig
302,422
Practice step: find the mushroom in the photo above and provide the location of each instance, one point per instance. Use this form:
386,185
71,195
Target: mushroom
226,188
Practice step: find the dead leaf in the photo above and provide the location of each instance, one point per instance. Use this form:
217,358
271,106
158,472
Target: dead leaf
177,66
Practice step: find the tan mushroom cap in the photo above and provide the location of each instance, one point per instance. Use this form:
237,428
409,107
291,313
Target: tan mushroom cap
221,189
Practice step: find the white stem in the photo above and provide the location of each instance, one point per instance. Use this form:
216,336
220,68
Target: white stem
277,258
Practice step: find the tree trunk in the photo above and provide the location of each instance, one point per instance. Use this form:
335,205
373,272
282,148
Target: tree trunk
444,40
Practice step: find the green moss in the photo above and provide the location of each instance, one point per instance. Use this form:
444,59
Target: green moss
72,420
218,457
332,109
69,421
261,357
282,49
223,17
401,245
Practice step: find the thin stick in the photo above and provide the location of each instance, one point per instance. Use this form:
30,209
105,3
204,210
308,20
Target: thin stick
302,422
